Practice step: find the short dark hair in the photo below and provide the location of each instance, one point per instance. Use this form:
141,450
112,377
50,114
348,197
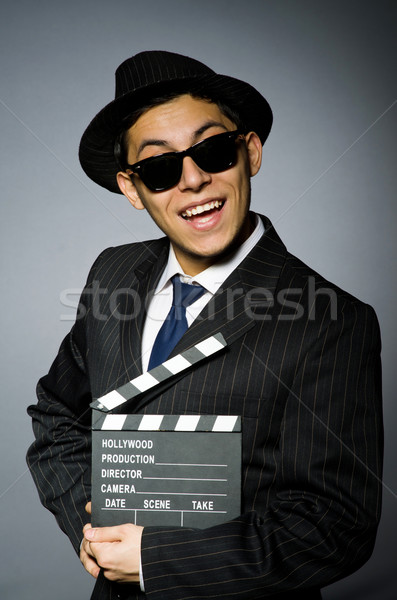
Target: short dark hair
120,145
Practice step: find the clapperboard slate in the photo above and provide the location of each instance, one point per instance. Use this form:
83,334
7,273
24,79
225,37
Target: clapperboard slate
162,470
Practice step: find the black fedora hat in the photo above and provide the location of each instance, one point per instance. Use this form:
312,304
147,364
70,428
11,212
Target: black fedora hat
153,73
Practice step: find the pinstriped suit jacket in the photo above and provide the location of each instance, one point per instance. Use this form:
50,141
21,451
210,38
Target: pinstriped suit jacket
302,367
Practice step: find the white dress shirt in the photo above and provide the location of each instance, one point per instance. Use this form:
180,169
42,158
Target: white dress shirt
211,279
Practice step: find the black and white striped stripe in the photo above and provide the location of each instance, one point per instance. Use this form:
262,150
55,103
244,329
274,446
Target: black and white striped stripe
211,423
161,373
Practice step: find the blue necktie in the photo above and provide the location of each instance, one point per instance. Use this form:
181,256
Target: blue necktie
175,323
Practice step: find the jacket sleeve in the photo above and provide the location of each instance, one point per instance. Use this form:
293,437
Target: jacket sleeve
320,525
60,457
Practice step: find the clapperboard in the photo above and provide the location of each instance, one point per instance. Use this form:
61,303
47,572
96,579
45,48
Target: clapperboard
178,470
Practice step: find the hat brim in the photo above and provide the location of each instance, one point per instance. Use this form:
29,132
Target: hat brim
96,150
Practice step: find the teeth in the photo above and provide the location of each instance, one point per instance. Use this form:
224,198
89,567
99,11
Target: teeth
198,210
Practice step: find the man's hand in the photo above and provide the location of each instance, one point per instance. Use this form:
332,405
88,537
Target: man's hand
116,550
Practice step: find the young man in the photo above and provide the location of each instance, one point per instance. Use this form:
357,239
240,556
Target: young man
301,366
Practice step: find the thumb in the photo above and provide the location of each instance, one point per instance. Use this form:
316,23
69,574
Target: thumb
102,534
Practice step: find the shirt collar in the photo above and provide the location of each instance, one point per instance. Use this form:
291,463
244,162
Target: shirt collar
213,277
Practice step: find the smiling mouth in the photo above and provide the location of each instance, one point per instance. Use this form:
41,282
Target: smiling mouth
203,208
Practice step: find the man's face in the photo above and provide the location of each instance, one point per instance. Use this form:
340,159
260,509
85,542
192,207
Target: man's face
221,200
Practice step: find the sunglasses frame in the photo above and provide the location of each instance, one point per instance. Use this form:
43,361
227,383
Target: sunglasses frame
138,166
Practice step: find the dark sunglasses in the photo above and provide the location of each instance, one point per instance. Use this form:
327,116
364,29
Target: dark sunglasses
213,155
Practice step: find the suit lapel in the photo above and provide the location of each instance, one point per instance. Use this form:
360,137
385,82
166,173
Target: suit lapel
134,303
246,296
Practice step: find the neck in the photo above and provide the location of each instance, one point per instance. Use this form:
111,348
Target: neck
194,264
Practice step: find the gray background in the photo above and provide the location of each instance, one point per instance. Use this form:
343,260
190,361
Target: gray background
327,182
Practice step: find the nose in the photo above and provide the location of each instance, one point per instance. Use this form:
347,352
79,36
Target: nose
193,178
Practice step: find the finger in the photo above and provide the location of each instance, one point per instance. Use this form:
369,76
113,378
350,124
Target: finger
89,563
86,526
88,507
86,547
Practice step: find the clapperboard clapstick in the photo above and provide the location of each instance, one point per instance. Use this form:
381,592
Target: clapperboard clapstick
161,373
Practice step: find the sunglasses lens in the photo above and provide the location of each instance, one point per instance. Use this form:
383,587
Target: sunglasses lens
161,172
215,154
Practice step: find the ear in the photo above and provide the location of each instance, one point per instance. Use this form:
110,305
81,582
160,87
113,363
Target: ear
254,149
129,190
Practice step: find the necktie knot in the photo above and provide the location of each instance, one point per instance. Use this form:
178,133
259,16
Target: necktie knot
185,294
